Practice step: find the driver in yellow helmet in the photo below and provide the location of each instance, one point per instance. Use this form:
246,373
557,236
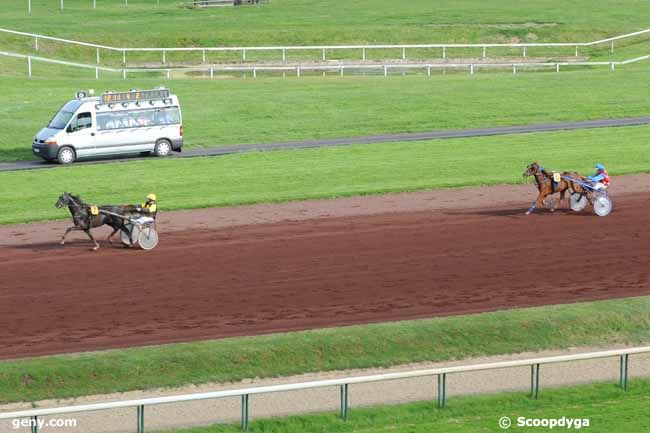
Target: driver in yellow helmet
150,206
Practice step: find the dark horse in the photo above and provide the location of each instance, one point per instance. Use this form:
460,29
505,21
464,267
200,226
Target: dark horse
83,218
547,186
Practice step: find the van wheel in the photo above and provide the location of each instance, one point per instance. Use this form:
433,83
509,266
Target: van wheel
163,147
66,155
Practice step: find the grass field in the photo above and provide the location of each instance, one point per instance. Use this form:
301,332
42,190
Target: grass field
329,22
378,345
326,21
322,173
227,112
607,408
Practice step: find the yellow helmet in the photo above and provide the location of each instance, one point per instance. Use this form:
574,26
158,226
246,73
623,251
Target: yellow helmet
151,197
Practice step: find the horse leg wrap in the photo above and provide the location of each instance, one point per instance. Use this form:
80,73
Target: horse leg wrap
531,209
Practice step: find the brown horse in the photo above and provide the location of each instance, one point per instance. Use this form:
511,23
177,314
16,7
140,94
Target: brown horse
547,186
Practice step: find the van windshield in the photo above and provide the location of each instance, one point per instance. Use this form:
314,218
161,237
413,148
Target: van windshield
60,120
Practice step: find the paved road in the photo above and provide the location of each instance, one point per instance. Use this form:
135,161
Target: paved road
371,139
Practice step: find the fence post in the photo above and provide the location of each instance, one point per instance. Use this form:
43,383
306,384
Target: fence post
244,412
363,53
243,54
557,67
124,57
341,68
524,51
442,390
514,69
484,52
96,73
29,7
254,72
36,43
576,51
444,52
612,47
612,66
211,73
344,402
385,70
34,424
298,71
164,57
94,4
61,5
471,69
534,381
323,54
428,70
284,54
403,53
98,56
140,412
124,74
168,74
623,372
203,56
29,66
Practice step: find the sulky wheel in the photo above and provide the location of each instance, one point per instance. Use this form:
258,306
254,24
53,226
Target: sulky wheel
602,205
148,238
124,236
577,202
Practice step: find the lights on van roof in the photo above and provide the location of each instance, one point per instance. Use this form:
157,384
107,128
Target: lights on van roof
135,95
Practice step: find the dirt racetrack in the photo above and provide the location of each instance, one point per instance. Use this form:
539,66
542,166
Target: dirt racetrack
290,275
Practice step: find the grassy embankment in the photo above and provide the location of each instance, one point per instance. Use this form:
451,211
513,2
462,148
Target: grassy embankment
378,345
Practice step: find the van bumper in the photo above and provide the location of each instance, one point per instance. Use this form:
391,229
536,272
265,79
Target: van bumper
45,151
177,144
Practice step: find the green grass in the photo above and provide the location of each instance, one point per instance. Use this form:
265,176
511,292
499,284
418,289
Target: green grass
322,173
310,22
377,345
227,112
607,408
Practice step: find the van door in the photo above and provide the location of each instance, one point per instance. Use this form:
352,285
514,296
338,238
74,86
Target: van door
114,135
80,134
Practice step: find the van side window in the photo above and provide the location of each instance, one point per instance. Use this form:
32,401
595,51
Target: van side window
138,118
83,121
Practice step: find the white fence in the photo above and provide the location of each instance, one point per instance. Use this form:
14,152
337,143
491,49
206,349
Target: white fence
343,383
94,3
384,69
362,49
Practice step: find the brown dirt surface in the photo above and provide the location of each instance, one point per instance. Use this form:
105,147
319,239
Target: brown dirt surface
269,268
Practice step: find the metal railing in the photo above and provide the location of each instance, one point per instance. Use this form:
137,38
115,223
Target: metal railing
323,48
94,2
339,69
343,383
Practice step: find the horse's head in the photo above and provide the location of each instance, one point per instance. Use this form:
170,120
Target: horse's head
67,199
531,170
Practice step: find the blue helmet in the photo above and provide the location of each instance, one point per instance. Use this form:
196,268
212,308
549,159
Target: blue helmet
599,166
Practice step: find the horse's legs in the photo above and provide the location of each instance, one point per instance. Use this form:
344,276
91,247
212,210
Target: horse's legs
115,230
562,193
96,247
73,228
539,202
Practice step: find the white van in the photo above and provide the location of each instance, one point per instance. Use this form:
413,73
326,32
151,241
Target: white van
147,121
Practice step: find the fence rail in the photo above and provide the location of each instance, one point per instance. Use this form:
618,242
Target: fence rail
343,383
340,69
323,48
